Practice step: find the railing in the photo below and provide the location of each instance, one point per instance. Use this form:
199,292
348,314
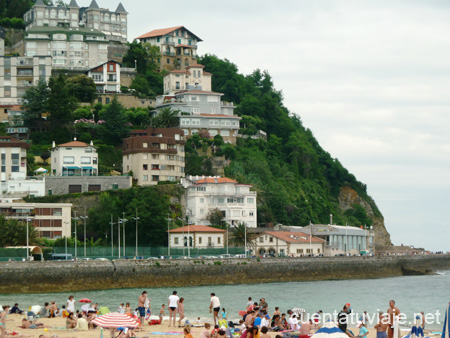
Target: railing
168,53
24,62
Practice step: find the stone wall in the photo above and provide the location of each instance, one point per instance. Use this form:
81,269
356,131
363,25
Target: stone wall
59,185
28,277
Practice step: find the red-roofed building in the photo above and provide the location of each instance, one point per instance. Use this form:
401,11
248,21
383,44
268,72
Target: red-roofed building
289,243
197,236
178,46
235,201
74,158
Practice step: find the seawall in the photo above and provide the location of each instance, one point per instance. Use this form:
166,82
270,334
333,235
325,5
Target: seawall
38,277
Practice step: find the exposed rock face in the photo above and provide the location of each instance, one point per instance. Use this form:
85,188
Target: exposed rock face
348,197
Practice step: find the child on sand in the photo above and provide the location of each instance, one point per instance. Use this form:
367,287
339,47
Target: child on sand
187,333
205,333
162,313
264,333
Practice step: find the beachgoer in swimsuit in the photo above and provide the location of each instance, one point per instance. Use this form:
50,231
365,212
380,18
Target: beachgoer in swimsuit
71,304
162,313
392,312
71,323
382,325
173,305
3,314
180,310
214,307
141,306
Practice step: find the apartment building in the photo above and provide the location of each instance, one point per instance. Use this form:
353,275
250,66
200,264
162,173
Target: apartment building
13,158
178,46
154,155
52,220
287,243
197,237
194,75
236,201
74,159
106,77
17,74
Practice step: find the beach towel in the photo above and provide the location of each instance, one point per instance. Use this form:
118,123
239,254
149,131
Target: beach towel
172,333
103,310
223,322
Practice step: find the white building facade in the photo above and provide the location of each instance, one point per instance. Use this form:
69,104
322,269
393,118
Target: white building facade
74,159
286,243
197,236
236,201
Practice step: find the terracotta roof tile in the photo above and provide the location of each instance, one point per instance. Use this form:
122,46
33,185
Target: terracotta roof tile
195,65
163,31
196,228
293,237
206,73
218,180
74,144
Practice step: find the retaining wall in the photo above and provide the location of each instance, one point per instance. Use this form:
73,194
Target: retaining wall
35,277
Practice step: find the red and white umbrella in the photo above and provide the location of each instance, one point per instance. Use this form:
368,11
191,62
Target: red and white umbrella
85,300
115,320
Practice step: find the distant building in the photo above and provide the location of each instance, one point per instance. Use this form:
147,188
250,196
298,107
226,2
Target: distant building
13,158
287,243
2,41
106,77
51,220
61,185
75,37
154,155
15,121
200,109
196,237
178,46
17,74
74,159
236,202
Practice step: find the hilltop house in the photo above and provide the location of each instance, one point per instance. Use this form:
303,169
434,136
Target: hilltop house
74,159
197,236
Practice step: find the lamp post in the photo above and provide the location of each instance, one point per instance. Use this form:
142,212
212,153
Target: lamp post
124,221
118,233
168,234
28,239
112,237
182,225
136,219
227,225
76,238
84,218
310,236
65,238
245,240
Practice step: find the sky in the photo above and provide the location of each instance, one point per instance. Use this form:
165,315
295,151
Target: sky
371,79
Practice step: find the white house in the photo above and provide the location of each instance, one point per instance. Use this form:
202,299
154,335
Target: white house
294,244
197,236
74,159
236,202
106,77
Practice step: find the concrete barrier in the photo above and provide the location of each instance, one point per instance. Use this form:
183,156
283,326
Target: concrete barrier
38,277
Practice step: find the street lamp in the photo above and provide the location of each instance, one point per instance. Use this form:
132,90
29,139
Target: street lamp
245,240
76,238
28,239
123,220
112,237
168,234
182,225
84,218
119,222
65,238
136,219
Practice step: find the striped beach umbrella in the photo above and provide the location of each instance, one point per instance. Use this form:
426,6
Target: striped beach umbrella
115,320
329,330
445,330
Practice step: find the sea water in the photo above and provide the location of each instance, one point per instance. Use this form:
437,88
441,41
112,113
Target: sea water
413,294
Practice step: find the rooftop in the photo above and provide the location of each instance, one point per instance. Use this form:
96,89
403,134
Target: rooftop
164,31
196,228
293,237
74,144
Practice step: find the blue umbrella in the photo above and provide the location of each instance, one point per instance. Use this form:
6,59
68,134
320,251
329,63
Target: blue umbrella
329,330
416,330
445,330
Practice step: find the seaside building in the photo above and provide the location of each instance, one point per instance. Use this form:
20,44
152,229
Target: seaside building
74,159
235,201
52,220
343,240
288,243
178,46
106,77
197,237
200,109
154,155
17,74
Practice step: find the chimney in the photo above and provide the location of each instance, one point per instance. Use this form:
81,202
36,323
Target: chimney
92,143
53,144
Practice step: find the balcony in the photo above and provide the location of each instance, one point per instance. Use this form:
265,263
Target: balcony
25,72
168,53
24,62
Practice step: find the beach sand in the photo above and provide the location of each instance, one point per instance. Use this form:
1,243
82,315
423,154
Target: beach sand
55,327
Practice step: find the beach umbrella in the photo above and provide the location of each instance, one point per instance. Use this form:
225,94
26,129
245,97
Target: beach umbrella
115,320
329,330
445,330
416,330
85,300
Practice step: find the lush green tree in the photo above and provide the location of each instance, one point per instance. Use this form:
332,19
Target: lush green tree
215,217
82,87
241,234
35,103
167,118
115,127
61,103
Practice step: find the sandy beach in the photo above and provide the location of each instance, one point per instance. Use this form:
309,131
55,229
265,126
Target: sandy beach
55,327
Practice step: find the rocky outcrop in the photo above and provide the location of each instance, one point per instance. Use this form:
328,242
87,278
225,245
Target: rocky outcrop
349,197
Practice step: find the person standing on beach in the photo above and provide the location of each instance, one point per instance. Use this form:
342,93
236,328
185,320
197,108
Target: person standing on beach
393,312
343,318
214,307
173,305
263,306
382,326
71,304
3,314
141,306
180,311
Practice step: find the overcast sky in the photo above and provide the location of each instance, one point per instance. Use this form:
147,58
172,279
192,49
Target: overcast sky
371,79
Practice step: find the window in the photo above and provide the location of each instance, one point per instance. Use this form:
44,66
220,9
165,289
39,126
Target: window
200,240
240,200
193,98
221,200
155,178
270,239
85,160
251,213
177,85
230,200
111,67
155,156
218,240
176,240
145,156
145,167
202,211
250,200
69,160
300,251
145,178
155,166
201,188
145,145
202,200
261,239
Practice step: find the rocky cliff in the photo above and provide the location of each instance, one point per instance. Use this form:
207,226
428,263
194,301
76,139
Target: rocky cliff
348,197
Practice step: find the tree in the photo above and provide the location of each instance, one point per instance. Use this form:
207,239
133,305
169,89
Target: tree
45,155
35,103
215,217
143,55
61,103
115,127
241,234
82,87
168,118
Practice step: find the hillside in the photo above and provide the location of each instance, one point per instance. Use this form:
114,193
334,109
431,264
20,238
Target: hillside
298,182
